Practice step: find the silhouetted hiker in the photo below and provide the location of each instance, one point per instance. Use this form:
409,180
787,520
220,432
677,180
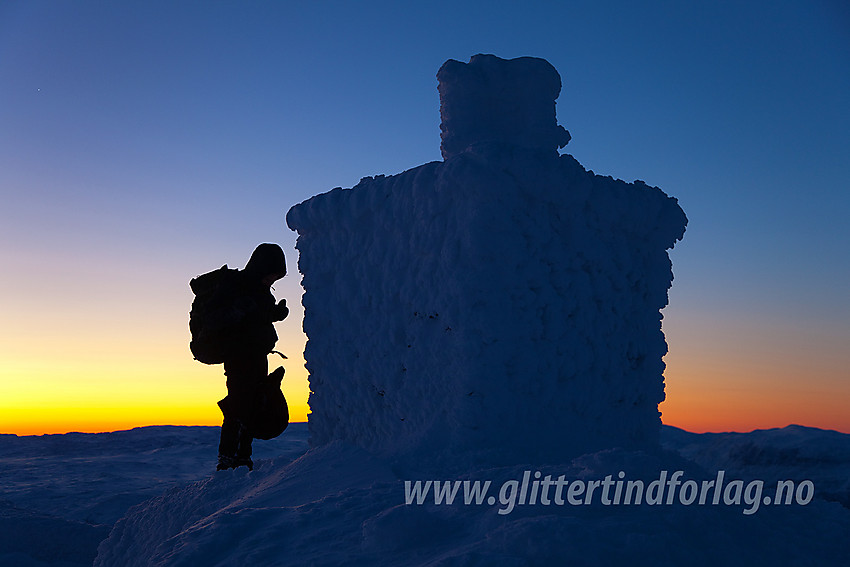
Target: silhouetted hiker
232,323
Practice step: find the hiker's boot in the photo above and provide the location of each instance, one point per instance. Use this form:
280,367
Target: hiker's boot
225,462
243,461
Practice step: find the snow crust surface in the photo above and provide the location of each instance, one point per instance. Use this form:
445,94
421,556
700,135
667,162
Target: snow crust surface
340,505
60,495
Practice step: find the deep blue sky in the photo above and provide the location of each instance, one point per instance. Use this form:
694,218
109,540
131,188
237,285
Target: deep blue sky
142,143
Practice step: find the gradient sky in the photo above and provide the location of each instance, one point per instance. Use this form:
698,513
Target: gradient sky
144,143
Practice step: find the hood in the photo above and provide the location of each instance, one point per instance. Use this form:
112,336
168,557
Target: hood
266,259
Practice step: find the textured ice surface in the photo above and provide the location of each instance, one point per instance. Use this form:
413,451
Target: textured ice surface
499,306
339,505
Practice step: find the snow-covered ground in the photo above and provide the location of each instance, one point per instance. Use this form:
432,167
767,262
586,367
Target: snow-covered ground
62,495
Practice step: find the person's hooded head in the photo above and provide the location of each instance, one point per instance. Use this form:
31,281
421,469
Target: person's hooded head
267,263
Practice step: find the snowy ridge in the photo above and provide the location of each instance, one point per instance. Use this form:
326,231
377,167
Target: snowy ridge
253,516
291,506
792,452
339,505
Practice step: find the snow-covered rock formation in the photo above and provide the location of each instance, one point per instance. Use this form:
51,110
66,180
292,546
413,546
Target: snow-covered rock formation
504,303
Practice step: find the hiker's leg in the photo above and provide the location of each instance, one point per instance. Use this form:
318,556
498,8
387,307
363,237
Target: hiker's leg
245,443
243,452
229,441
243,377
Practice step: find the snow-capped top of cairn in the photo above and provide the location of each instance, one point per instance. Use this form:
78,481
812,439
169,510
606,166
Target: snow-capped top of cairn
490,99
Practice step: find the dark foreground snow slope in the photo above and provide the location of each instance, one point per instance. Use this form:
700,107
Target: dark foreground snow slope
61,494
338,505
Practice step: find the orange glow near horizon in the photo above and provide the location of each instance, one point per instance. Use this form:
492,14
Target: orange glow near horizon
701,397
99,419
731,373
93,392
714,381
728,410
122,365
55,418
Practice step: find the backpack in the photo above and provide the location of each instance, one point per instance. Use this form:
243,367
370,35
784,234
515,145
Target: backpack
269,410
213,318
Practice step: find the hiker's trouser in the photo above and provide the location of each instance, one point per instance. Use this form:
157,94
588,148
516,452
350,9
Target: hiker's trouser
244,374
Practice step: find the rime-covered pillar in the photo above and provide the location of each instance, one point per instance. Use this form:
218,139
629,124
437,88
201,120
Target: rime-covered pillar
501,305
496,100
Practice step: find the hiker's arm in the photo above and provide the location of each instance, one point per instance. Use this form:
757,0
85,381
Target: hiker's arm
254,313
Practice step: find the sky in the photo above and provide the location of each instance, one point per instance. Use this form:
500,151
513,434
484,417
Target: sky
144,143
